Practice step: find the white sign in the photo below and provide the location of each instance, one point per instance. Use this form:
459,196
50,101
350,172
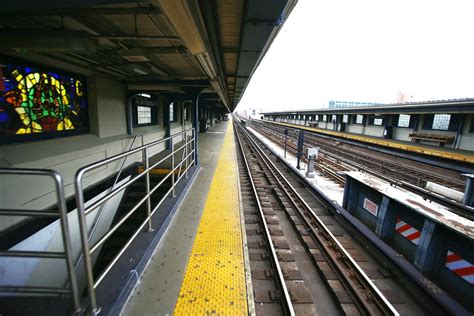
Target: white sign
371,206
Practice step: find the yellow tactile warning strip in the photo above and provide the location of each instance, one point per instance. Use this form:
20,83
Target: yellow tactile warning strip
382,142
214,282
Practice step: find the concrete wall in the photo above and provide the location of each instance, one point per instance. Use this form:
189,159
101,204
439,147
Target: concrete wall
355,128
402,133
374,130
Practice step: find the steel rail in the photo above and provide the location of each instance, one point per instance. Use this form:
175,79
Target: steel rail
437,294
364,299
455,207
368,157
281,280
338,178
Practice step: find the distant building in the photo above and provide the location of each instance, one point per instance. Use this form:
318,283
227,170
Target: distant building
404,97
349,104
254,113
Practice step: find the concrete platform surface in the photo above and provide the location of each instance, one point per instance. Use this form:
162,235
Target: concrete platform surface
159,286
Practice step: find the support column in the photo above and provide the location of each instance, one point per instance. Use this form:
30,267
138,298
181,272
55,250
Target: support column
130,100
457,139
428,248
469,191
166,120
388,128
195,120
350,195
385,219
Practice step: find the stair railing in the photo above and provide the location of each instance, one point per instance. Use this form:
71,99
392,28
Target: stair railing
72,289
103,206
83,211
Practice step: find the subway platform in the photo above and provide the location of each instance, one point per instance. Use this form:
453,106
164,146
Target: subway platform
199,265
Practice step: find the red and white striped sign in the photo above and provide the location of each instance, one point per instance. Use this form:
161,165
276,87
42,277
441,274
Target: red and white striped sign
460,266
407,231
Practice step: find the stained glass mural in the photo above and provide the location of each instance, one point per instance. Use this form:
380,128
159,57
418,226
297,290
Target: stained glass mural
36,103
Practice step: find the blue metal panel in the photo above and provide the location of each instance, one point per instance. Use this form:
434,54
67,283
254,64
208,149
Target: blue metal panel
350,195
347,190
469,192
427,253
385,218
399,241
439,294
367,196
445,276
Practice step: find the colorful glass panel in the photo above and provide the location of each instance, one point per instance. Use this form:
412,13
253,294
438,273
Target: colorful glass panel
40,103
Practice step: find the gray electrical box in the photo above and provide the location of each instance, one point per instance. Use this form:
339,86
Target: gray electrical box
313,152
312,156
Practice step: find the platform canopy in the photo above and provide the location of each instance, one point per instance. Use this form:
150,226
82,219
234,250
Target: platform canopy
158,45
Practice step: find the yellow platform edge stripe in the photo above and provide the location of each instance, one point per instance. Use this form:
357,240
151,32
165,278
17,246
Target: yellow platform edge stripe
367,139
214,281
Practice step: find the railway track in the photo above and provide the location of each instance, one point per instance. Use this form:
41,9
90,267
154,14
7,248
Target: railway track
332,165
298,266
398,168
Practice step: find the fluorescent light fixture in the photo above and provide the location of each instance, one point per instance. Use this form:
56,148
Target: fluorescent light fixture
145,95
140,70
136,55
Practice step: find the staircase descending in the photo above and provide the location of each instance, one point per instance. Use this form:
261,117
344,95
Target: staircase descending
133,195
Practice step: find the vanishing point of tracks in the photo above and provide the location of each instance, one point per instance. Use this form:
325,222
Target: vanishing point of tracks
298,266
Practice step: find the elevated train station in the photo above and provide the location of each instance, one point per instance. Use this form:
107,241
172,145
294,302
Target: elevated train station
128,186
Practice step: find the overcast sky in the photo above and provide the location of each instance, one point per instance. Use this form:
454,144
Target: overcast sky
367,50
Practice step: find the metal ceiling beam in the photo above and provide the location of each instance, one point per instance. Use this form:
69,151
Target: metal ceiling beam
135,37
148,87
169,49
189,83
84,11
211,19
49,41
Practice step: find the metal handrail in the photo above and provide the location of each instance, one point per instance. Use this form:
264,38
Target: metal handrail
83,211
99,215
137,231
115,191
65,234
